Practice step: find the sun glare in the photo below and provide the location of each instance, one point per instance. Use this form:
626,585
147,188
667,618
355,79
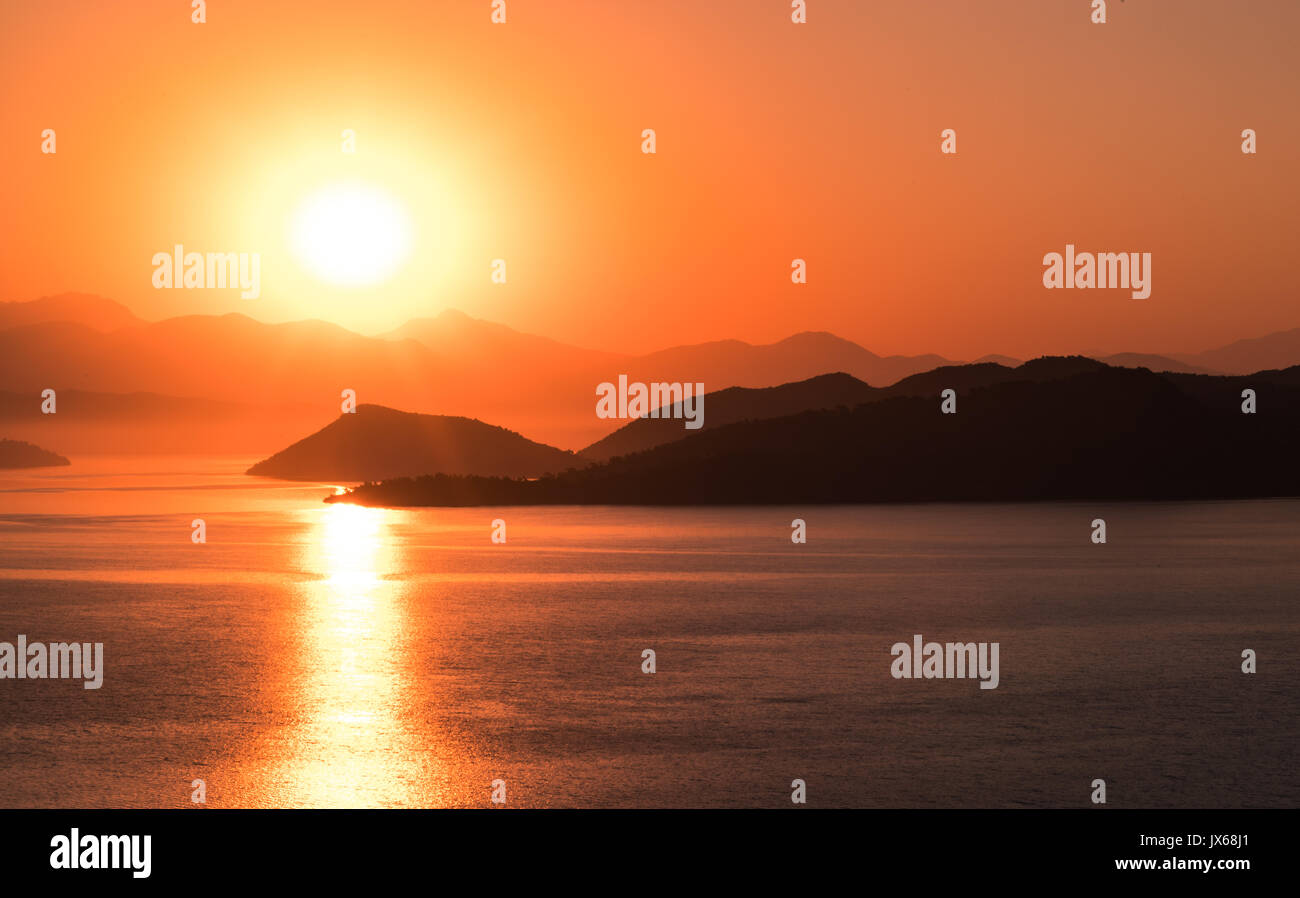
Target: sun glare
351,234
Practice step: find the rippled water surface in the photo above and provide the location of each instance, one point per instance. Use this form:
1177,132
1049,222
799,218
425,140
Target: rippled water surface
337,656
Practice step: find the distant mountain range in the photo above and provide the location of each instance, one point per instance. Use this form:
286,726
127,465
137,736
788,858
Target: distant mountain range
1054,428
90,311
1274,351
273,381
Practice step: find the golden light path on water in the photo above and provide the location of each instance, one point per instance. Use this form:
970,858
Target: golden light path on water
351,745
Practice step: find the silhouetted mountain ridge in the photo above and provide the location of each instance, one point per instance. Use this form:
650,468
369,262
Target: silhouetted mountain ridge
1075,429
824,392
735,404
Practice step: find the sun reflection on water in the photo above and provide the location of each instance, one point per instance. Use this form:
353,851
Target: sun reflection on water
351,744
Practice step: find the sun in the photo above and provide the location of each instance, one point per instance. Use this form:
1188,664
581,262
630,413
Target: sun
351,234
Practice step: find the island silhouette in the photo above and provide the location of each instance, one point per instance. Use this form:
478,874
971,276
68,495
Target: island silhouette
374,442
19,454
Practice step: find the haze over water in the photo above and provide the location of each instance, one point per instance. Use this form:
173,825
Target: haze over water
338,656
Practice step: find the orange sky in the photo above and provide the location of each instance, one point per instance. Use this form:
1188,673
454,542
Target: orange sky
776,141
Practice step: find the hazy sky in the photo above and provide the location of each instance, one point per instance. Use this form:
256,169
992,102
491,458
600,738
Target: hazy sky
775,141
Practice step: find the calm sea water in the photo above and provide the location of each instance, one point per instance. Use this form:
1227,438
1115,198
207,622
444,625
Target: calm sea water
311,655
